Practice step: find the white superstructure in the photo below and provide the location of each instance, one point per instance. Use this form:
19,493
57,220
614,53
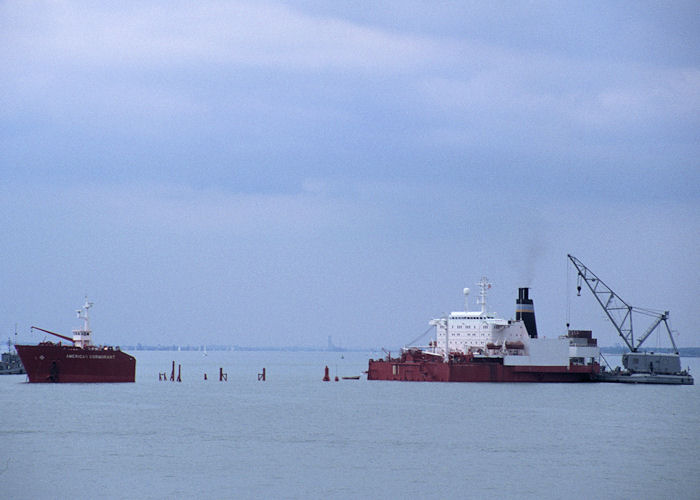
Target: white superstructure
82,337
473,331
481,333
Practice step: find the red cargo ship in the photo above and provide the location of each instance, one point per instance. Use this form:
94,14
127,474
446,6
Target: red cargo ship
79,362
478,347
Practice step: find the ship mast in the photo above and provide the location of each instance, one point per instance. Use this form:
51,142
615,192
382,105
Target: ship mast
484,285
81,337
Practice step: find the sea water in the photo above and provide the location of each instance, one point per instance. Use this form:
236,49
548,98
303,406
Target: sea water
294,436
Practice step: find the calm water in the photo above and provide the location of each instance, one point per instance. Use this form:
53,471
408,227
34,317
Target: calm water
294,436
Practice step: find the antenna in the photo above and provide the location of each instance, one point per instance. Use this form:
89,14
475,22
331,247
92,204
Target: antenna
484,284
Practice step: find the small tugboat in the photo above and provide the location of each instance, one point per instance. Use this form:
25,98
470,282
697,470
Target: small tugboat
81,361
10,364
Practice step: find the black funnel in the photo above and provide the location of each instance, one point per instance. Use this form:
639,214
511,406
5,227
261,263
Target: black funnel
525,311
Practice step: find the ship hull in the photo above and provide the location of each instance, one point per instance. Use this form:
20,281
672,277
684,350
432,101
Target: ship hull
647,378
492,370
49,362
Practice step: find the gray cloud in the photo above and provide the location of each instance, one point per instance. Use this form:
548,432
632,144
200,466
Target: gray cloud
302,160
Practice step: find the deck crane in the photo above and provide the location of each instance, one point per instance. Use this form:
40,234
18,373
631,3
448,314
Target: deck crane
618,311
641,367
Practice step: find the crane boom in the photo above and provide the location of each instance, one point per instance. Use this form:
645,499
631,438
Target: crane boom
618,311
53,333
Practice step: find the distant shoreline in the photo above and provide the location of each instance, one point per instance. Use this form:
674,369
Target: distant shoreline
202,348
689,352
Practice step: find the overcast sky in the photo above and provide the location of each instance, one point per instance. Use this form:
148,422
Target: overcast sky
272,173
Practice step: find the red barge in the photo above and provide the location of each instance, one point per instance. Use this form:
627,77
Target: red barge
479,347
81,361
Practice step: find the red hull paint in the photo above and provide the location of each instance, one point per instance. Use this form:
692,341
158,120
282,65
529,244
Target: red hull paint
491,370
49,362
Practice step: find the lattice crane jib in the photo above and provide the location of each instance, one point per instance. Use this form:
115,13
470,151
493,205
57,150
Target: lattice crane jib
618,311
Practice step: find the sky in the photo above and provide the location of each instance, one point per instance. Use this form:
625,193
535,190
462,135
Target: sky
274,173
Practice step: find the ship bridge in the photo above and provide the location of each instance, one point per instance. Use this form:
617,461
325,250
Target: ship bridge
472,331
